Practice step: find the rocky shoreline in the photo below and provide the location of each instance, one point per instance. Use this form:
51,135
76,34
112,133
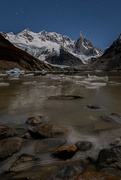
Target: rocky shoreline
51,138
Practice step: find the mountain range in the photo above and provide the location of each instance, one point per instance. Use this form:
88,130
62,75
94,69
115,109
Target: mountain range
49,46
111,59
43,50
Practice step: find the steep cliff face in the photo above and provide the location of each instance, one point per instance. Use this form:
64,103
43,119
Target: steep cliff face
111,59
11,57
87,47
63,58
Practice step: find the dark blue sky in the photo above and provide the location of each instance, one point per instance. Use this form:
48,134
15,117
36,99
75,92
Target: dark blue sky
99,20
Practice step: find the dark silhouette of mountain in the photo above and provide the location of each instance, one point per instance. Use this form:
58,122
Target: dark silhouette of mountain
63,58
11,57
111,59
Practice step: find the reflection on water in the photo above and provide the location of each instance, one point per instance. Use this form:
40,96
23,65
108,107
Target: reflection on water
29,96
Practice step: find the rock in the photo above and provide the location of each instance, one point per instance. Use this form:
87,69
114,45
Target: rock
83,145
6,132
37,120
65,152
106,118
49,144
116,142
94,107
93,175
9,146
114,116
112,171
26,136
109,158
23,161
47,130
67,172
65,97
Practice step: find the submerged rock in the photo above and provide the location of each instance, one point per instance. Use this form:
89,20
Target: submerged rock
65,97
6,132
83,145
94,107
93,175
23,161
65,152
37,120
109,158
49,144
113,116
47,130
9,146
67,172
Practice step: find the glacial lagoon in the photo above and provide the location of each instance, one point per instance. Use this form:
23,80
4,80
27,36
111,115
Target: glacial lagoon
27,96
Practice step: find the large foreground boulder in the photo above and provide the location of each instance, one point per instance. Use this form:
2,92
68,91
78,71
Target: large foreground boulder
109,158
67,172
23,161
93,175
47,130
112,171
6,132
9,146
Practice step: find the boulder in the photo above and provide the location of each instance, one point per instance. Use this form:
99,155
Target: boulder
49,144
65,97
112,171
67,172
93,175
6,132
83,145
37,120
109,158
9,146
23,161
65,152
47,130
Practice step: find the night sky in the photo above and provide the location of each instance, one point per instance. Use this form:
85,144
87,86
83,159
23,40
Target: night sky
99,20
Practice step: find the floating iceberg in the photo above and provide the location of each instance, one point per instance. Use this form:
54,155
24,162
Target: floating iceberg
15,72
96,78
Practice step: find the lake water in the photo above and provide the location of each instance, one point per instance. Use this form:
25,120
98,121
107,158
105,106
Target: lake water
28,96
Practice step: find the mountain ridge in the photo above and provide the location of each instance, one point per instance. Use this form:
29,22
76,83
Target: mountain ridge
111,59
43,44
